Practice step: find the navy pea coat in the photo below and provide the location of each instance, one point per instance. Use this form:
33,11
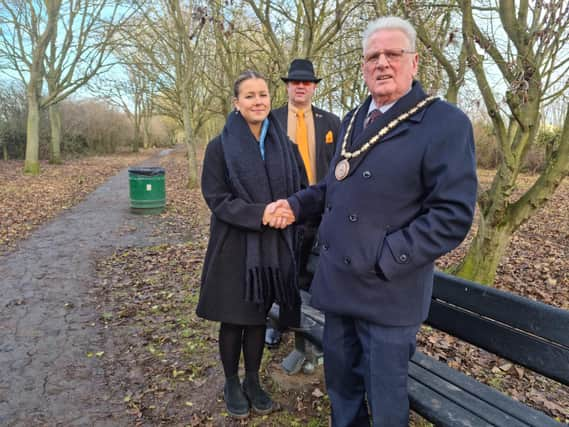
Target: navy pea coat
407,201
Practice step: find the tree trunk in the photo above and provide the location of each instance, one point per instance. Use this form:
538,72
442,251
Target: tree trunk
136,120
4,145
192,165
452,93
485,252
55,125
146,132
190,144
136,139
31,164
34,87
499,219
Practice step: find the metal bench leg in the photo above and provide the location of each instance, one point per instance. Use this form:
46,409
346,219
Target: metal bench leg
305,357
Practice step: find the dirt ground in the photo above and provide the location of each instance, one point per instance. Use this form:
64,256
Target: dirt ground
161,361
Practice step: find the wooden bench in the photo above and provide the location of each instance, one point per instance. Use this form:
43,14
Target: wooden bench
529,333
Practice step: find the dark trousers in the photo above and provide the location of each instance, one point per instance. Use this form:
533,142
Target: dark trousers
366,366
306,271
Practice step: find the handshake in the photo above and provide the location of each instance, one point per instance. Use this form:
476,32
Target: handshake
278,214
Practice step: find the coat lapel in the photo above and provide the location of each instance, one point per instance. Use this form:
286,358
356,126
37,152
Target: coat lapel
317,118
360,136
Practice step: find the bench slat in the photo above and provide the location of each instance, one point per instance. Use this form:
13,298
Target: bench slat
543,357
522,313
487,403
437,409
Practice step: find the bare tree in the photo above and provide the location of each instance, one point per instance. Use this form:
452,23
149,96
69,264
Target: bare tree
27,28
133,93
79,49
63,44
306,29
532,59
438,30
167,40
517,53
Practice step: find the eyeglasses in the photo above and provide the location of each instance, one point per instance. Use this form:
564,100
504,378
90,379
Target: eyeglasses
391,55
298,83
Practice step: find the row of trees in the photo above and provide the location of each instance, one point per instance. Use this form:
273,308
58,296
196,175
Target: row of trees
501,60
55,47
88,127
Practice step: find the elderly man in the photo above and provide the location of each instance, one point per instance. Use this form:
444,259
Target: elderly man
401,192
315,133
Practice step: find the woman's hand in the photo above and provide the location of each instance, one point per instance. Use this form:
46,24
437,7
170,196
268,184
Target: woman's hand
278,214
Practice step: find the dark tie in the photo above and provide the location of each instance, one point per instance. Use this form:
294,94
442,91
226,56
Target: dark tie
372,115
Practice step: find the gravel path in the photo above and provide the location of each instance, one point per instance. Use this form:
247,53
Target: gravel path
48,315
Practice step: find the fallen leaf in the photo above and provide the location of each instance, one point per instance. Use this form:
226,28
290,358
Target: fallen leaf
317,393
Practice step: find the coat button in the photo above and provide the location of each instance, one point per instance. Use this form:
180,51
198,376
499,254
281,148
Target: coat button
329,207
366,174
353,218
404,258
347,260
325,246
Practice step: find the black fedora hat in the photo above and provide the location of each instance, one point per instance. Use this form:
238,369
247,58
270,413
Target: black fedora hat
301,70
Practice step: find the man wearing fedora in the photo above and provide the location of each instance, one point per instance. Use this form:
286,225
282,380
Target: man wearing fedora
315,133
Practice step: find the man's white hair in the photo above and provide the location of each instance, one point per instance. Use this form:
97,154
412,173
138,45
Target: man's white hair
390,23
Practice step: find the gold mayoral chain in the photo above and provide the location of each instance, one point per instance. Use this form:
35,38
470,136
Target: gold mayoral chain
343,167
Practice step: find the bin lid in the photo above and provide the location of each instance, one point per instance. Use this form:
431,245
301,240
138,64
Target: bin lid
147,171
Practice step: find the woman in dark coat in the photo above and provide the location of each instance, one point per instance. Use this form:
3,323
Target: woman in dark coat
248,266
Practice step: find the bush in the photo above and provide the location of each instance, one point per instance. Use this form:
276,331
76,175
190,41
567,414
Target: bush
13,113
161,131
91,127
547,141
487,155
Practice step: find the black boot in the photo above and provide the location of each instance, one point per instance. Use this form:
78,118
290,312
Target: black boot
260,401
235,401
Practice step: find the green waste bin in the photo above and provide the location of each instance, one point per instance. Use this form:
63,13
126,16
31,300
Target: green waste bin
147,189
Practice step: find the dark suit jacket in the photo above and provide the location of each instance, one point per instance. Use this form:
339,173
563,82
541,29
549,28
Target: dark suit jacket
323,123
407,201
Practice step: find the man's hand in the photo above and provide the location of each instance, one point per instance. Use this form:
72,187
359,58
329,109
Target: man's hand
278,214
